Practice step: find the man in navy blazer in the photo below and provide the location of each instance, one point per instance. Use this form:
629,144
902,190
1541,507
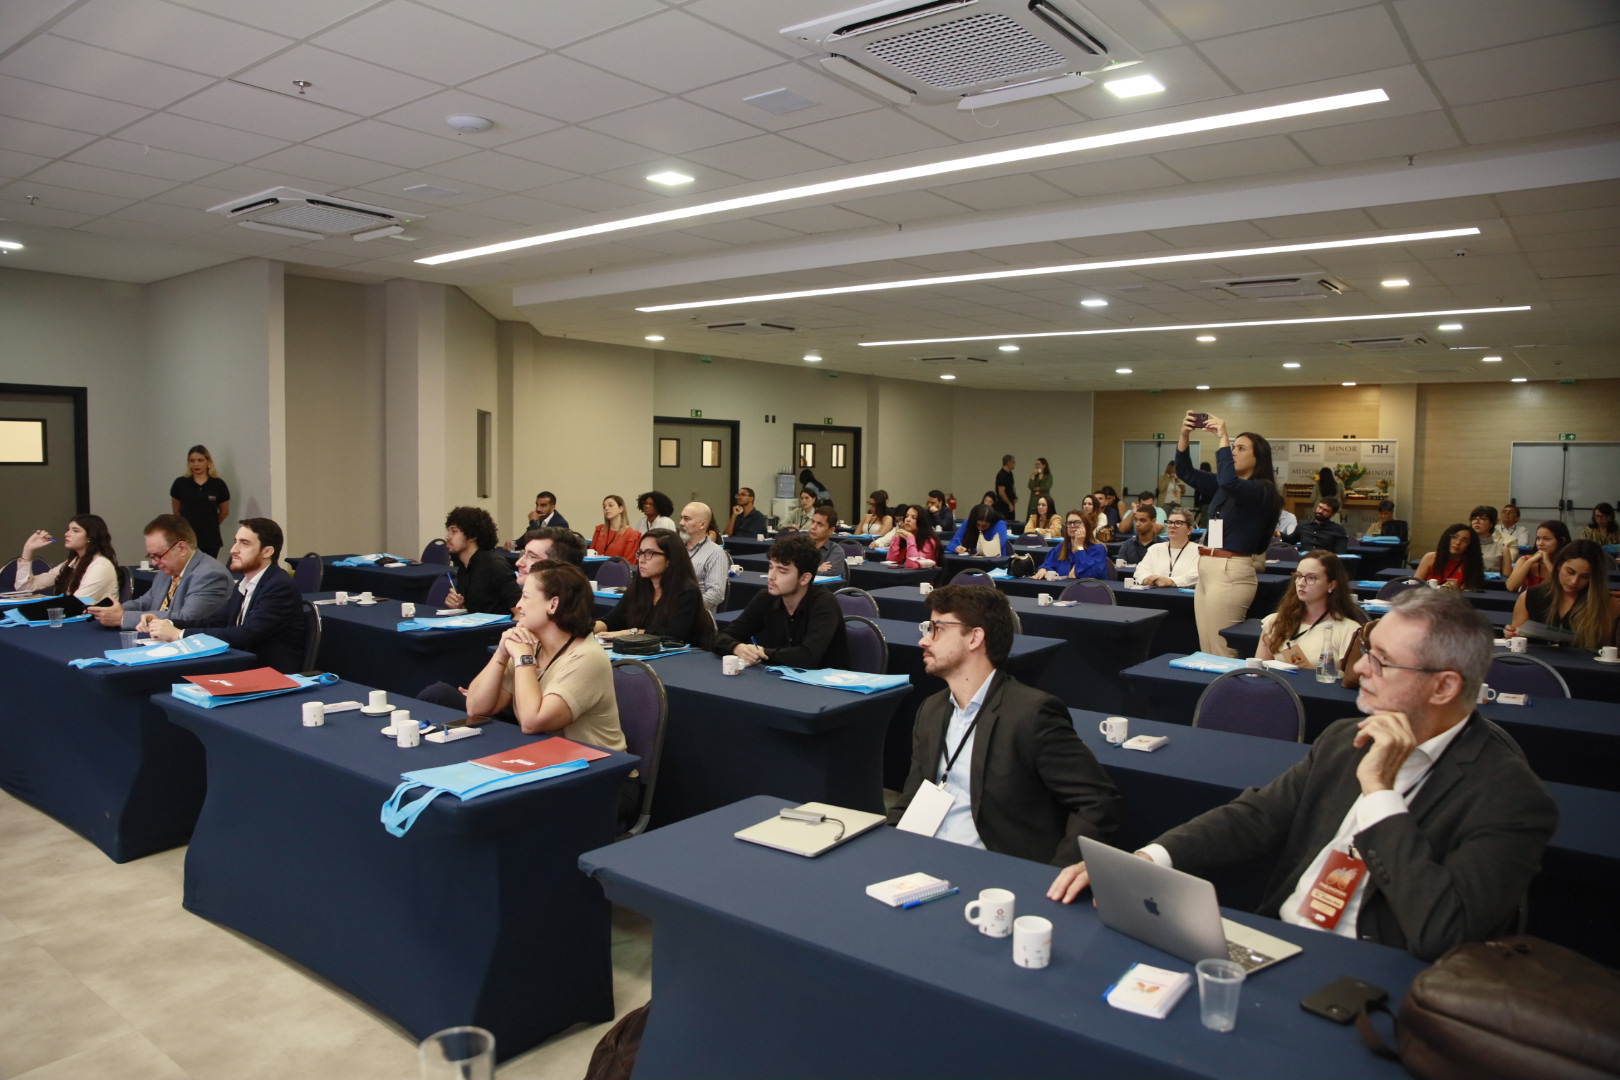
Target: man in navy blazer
266,614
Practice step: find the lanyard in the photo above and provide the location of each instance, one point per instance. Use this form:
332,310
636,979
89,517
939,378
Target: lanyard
1301,634
1174,558
966,735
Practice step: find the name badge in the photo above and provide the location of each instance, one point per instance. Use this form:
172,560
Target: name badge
1332,889
927,810
1215,534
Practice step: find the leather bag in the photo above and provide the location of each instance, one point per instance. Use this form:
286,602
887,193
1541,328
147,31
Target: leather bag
638,645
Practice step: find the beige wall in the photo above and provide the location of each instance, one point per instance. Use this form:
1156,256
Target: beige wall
1026,424
471,384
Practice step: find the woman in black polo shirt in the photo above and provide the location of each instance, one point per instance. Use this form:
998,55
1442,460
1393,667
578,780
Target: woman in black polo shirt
202,498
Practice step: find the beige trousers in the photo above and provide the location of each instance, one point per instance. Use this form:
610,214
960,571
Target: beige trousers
1225,591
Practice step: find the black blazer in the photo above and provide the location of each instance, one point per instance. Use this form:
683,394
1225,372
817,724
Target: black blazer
1036,788
274,626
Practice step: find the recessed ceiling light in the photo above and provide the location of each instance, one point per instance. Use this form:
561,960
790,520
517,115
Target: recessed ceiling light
972,161
1291,364
812,358
1073,268
654,337
1395,283
1204,326
1009,348
670,177
1520,378
1201,386
1206,337
947,378
1490,359
1347,384
1093,302
10,245
1135,86
1449,326
1122,371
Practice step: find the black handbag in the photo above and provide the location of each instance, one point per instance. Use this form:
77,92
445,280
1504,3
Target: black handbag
638,644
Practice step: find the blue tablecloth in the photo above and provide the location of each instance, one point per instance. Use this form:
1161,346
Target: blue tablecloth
408,581
476,916
86,747
876,574
361,644
1492,598
748,545
955,564
819,980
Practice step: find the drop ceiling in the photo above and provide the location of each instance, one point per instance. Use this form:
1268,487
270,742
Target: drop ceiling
123,121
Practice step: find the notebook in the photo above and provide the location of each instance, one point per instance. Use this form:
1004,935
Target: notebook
1172,911
811,838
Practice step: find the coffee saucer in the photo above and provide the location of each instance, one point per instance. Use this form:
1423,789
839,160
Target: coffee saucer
384,711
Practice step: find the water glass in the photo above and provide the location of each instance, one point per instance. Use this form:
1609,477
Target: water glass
458,1053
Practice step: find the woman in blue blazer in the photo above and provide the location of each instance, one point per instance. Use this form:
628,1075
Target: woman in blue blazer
1079,555
981,533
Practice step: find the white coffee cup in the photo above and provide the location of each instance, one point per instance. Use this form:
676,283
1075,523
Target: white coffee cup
1485,694
1518,644
590,553
146,564
407,610
925,587
377,700
1044,600
1032,941
342,597
1116,729
1254,662
367,598
731,665
314,714
992,912
407,732
1609,653
761,536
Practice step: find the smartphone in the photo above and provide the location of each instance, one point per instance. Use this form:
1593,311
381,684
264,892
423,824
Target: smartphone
1199,420
1341,999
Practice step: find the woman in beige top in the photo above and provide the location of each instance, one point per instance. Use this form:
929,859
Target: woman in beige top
90,572
1042,519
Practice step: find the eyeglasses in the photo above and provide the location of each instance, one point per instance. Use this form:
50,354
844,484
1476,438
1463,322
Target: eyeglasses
164,552
932,628
1306,579
1377,666
649,553
1176,523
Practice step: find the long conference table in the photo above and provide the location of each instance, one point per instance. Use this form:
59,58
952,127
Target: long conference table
477,915
364,644
401,581
819,980
87,747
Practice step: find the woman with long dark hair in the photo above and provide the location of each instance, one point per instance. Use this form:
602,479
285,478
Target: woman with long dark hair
1244,504
1319,614
202,498
1455,558
1042,518
1040,483
1080,555
663,596
982,533
879,520
89,573
1533,569
915,544
615,537
1575,598
1602,530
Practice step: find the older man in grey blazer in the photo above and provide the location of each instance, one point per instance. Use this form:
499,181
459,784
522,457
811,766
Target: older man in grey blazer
189,585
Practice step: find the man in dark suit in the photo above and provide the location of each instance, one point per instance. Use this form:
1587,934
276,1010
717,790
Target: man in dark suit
266,612
1016,778
1418,826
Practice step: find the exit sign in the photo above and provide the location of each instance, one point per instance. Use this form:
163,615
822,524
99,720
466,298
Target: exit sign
697,412
1157,435
829,420
1566,436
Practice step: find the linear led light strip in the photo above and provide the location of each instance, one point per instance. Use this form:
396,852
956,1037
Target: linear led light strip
978,161
1201,326
1103,264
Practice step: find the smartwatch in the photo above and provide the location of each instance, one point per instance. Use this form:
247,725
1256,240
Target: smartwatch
526,660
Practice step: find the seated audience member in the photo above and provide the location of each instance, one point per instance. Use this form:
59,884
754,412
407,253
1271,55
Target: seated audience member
1515,533
1021,782
1432,808
794,621
544,515
1318,614
1602,531
656,508
982,532
878,519
1147,501
833,558
915,546
1493,553
663,597
799,516
1174,563
1575,598
745,520
1321,532
89,573
553,544
482,580
1095,507
1454,559
1533,569
1287,523
265,615
710,563
944,520
1110,506
1043,519
1079,556
614,537
1387,525
1145,533
989,499
189,585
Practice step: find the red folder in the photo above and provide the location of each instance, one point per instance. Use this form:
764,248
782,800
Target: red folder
540,755
254,681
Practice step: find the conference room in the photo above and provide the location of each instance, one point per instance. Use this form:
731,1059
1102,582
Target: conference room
724,260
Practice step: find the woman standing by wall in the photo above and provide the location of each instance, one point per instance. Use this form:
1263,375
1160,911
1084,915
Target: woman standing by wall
202,498
1040,482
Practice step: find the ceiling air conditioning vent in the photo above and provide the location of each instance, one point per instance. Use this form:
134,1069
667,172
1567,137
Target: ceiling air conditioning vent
751,328
1384,344
952,361
1280,286
308,216
962,50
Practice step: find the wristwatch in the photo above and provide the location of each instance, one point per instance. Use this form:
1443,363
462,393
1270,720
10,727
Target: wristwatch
526,660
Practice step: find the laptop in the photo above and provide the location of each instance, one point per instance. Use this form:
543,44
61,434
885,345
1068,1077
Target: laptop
1173,911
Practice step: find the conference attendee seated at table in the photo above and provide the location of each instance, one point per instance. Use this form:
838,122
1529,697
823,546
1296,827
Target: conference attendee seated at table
90,571
1043,519
883,541
614,537
1016,778
939,506
823,523
482,581
656,508
1533,569
1319,614
1174,563
1144,534
1422,816
1286,524
663,597
265,614
982,532
794,621
1575,599
746,520
799,516
1148,501
1602,531
1079,556
915,546
1110,507
544,515
710,563
1493,552
1454,559
1515,533
554,544
547,668
188,584
1321,532
878,519
1387,525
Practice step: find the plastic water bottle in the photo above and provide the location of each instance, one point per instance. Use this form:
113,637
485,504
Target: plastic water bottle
1327,668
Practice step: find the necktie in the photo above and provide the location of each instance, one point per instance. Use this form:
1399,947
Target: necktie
168,597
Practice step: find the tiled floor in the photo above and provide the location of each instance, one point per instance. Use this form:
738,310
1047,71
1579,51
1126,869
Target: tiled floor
104,974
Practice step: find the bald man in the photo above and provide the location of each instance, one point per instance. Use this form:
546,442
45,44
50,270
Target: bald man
709,560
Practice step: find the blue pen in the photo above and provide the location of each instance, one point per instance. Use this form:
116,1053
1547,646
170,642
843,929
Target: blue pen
952,891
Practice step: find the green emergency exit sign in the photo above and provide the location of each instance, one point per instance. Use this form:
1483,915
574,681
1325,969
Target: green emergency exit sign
1566,436
697,412
1157,435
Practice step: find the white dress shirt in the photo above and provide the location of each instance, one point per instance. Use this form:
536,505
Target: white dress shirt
1179,564
958,825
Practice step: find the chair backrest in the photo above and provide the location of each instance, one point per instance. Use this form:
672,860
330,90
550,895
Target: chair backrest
126,585
1089,590
312,634
973,577
437,552
643,707
307,574
1279,550
1395,588
787,530
853,549
853,601
8,574
613,574
1252,701
1516,673
438,591
868,651
1030,540
704,628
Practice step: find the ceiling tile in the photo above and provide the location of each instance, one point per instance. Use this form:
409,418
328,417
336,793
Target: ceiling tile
1217,234
1200,21
1564,197
199,137
1541,114
198,197
580,150
325,165
1392,137
427,115
423,42
1309,50
1545,64
674,52
903,206
243,180
1446,27
56,61
522,210
58,199
1188,79
13,210
64,108
185,220
250,108
295,18
819,219
550,25
497,170
557,86
870,136
591,193
1328,223
703,178
1246,157
20,18
145,160
832,97
1119,176
673,126
760,21
1054,114
339,81
32,138
14,164
673,243
463,224
742,232
764,157
169,34
395,145
1003,192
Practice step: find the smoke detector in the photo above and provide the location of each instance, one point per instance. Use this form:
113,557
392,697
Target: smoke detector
307,216
468,124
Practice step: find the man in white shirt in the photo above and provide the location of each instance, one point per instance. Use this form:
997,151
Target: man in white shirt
1513,531
710,562
1173,564
1419,826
